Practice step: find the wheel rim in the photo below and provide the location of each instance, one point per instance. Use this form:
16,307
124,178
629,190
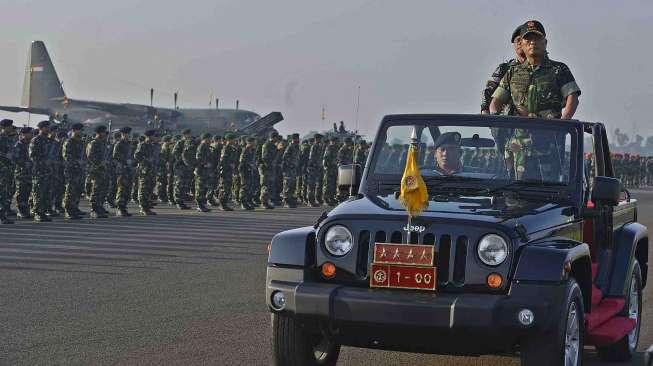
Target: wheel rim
321,348
572,336
633,313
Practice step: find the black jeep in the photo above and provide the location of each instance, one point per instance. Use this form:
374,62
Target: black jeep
524,248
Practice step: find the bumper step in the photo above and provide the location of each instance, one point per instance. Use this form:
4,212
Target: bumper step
611,331
606,309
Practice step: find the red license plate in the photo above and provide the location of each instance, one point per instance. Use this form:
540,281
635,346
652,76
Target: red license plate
408,277
405,254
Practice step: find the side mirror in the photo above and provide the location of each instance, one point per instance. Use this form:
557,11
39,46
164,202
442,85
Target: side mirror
349,178
606,191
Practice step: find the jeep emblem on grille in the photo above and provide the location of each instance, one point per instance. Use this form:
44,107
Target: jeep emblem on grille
414,228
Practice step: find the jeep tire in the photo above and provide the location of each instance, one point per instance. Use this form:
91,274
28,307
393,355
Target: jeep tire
565,338
627,346
293,346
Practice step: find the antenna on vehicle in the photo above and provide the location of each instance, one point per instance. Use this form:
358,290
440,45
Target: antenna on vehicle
151,97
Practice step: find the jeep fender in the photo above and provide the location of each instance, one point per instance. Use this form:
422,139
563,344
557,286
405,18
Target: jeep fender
544,261
626,241
293,248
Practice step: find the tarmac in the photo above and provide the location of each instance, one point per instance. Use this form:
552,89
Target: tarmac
179,288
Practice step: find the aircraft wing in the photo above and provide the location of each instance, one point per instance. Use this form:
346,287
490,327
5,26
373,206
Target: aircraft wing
24,109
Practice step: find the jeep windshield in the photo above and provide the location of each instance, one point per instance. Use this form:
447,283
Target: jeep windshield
486,155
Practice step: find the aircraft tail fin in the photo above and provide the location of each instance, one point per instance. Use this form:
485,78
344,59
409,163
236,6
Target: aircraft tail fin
41,85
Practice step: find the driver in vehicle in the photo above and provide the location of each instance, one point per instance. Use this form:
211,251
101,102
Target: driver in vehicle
448,153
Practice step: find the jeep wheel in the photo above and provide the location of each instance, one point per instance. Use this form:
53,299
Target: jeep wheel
564,345
627,346
293,346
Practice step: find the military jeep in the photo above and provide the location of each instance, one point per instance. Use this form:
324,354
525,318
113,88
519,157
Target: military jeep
524,249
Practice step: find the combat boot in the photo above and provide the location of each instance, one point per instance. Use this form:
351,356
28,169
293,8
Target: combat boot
246,206
290,204
267,205
225,207
96,213
42,218
146,211
71,215
122,212
23,213
202,208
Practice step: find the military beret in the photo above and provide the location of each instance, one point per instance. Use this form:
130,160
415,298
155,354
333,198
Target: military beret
533,26
126,129
6,123
167,138
334,139
100,129
516,33
317,136
304,141
26,130
77,126
186,131
448,138
62,133
311,139
206,136
295,135
43,124
273,134
348,140
150,133
251,139
229,136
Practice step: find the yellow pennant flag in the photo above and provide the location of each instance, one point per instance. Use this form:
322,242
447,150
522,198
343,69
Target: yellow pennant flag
414,196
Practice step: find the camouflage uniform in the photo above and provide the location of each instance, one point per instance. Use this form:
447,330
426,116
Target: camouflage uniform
227,162
96,155
136,176
38,154
492,84
278,174
203,171
266,171
216,152
236,188
246,169
112,178
181,169
124,171
58,180
23,176
73,157
304,150
163,173
314,177
6,174
289,166
330,173
147,158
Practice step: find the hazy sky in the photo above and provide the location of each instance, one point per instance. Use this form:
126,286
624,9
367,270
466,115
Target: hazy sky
294,56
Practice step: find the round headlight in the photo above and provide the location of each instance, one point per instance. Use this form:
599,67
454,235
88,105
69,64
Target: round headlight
492,250
338,240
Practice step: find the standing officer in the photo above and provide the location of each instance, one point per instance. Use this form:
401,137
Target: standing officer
216,151
314,177
329,163
73,157
112,178
96,155
304,150
6,170
554,86
290,166
203,170
23,173
147,158
58,181
181,169
497,75
345,157
247,167
38,153
227,162
122,158
164,170
266,170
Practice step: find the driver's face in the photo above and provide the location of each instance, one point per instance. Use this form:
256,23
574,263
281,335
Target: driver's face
448,155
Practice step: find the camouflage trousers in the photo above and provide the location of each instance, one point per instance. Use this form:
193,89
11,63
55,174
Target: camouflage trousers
182,183
256,185
290,187
12,185
6,181
58,186
247,186
146,183
330,182
226,184
40,189
202,179
314,181
23,190
135,183
267,183
300,190
99,187
170,190
236,187
278,185
112,188
124,183
212,189
162,185
73,192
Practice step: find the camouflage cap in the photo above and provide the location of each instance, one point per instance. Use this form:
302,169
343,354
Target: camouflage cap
126,129
295,136
206,136
229,136
348,140
167,138
186,131
334,139
448,138
6,123
100,129
25,130
43,124
317,136
533,26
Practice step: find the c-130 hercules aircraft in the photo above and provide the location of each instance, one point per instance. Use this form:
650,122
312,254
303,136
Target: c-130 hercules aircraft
43,94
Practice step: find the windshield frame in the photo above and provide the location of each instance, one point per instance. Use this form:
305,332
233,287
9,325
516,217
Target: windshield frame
373,182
